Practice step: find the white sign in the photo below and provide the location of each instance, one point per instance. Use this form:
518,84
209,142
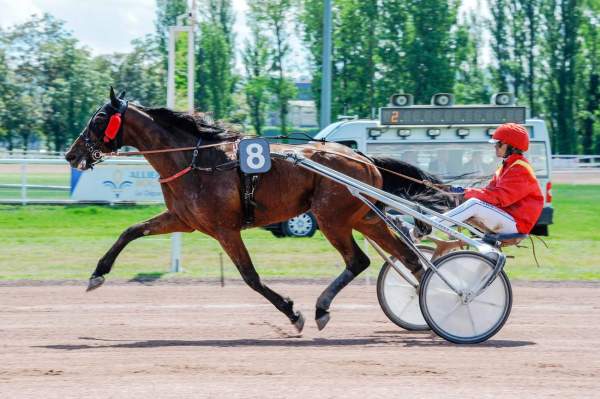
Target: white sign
115,183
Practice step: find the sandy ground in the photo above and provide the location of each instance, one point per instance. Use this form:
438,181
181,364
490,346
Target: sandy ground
180,341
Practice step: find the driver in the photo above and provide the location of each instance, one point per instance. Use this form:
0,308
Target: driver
512,201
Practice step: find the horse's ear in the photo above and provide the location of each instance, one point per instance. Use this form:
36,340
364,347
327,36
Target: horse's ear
122,95
113,98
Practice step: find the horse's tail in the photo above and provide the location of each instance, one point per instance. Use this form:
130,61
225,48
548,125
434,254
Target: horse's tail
412,190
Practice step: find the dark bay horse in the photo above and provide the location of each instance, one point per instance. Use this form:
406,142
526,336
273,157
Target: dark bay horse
211,202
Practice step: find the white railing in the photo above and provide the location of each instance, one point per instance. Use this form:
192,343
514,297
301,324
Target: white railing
34,154
54,172
570,162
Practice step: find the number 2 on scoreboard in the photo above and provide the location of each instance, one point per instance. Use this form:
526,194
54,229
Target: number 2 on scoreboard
394,117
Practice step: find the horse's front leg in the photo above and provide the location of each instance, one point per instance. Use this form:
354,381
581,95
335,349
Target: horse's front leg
232,243
164,223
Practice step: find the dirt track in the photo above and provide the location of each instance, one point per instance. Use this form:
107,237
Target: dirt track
176,341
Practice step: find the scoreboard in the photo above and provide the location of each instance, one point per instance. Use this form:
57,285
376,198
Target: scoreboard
456,115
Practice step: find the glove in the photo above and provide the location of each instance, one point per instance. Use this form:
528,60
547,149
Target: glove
457,190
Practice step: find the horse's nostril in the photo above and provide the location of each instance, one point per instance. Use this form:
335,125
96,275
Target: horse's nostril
70,157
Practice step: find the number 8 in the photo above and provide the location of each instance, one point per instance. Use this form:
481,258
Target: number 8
256,159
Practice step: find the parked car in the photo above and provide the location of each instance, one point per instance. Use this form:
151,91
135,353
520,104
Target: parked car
303,225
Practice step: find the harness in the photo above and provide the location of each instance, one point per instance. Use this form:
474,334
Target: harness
112,135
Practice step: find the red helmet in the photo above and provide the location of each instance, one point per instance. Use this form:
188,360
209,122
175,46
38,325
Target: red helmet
512,134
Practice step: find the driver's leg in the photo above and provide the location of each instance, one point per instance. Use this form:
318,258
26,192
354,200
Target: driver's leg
494,219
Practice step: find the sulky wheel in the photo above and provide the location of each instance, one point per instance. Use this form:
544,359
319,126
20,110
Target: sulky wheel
398,298
465,318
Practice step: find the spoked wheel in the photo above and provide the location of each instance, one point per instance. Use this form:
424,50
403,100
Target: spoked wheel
398,298
463,319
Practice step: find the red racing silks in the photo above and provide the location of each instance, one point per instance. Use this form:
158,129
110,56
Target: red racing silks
515,190
113,128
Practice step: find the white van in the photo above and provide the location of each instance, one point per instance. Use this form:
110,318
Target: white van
448,141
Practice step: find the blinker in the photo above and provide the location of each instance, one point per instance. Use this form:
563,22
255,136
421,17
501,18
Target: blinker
113,127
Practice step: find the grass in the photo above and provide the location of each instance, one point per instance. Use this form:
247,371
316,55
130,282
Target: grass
65,242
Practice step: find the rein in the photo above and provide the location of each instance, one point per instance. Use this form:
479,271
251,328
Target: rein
134,153
426,183
188,169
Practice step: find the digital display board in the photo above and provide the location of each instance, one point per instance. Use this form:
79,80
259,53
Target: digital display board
430,115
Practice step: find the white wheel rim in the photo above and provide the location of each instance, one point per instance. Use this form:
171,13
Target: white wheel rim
401,297
300,225
465,320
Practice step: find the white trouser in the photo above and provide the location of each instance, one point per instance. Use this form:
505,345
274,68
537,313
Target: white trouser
494,219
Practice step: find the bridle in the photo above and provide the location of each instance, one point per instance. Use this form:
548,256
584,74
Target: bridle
112,135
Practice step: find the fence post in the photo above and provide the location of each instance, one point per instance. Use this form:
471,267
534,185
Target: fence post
176,253
222,269
366,246
24,183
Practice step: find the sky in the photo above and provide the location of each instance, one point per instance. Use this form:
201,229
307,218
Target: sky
108,26
105,26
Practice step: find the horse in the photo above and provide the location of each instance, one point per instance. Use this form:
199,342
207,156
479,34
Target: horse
207,197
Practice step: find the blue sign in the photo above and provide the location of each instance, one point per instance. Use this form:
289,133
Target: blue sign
255,156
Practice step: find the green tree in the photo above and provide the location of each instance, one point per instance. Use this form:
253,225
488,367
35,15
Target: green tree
562,17
356,53
515,29
273,16
255,57
54,85
356,46
216,59
3,91
429,61
28,45
392,70
532,10
215,80
310,22
471,85
498,26
220,12
589,78
140,72
167,12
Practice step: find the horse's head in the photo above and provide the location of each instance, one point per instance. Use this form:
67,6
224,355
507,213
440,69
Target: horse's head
103,133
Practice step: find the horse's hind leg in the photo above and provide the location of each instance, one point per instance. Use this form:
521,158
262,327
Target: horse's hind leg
356,261
164,223
232,243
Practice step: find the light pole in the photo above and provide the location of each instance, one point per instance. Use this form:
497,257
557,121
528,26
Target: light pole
326,75
176,238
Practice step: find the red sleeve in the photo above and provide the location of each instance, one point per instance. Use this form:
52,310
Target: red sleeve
511,187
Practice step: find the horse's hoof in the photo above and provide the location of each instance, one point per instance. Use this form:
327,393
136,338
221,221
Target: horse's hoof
299,323
322,319
94,283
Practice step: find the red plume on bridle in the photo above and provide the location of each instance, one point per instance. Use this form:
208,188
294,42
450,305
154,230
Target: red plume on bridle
113,127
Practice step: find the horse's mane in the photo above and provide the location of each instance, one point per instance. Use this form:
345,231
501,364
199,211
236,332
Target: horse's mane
199,124
410,190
